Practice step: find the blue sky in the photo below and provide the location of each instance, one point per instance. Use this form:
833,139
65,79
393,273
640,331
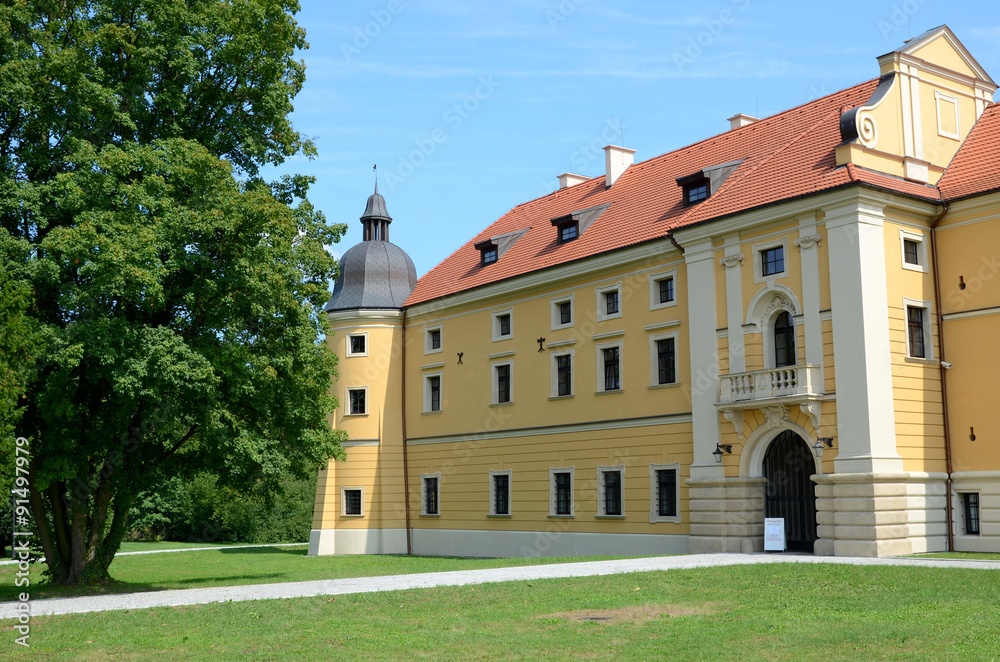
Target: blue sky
470,108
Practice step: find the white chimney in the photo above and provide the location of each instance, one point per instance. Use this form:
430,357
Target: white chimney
616,161
568,179
739,119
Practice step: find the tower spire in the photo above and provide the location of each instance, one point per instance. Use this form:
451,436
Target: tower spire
376,218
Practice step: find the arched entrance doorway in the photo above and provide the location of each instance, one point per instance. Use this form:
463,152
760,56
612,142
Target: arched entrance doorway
789,493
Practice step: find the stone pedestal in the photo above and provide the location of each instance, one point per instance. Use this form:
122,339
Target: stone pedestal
727,514
879,514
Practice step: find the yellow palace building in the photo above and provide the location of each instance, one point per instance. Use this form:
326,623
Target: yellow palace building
796,318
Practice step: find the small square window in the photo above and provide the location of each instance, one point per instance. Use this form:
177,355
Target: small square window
609,302
914,251
772,261
357,399
432,340
430,493
911,254
568,232
357,344
503,327
663,289
561,316
610,492
353,501
489,255
561,492
500,492
696,193
970,502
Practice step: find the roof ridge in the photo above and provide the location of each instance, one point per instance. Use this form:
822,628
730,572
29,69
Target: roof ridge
733,181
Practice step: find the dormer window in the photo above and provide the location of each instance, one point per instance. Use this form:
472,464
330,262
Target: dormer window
573,225
568,232
489,255
492,249
694,193
699,186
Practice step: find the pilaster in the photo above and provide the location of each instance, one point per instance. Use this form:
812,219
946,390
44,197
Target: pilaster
733,262
808,244
704,348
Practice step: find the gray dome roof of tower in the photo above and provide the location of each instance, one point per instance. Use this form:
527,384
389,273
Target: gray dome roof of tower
375,275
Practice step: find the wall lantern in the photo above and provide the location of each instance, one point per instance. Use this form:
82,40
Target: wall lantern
719,448
822,444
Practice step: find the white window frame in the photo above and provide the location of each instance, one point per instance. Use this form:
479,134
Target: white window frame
427,392
654,364
423,494
343,500
758,267
654,289
601,471
347,400
495,320
906,235
495,382
654,510
554,302
947,98
600,347
552,490
493,494
427,339
554,372
348,351
602,306
928,338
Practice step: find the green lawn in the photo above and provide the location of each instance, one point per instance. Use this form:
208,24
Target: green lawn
969,556
257,565
162,545
767,612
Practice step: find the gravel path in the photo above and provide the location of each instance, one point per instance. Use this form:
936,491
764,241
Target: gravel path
195,596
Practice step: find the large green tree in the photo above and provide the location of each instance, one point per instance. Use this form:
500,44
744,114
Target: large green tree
174,297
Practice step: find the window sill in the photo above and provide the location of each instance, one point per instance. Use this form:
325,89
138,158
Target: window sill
562,397
918,360
609,517
354,415
502,404
429,515
353,516
670,385
919,268
432,351
499,516
665,520
616,391
561,516
430,413
605,318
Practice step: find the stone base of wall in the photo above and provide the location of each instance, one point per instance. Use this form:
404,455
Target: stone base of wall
987,485
880,514
326,542
727,515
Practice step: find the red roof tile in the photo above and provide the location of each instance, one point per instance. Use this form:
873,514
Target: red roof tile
785,156
976,167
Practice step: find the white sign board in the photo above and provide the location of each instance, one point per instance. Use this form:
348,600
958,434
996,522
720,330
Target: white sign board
774,534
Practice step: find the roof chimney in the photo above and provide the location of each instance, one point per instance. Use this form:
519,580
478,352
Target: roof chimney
616,161
739,119
568,179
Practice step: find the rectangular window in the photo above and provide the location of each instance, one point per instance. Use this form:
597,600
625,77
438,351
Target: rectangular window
696,193
666,361
915,330
612,368
772,261
611,302
432,340
568,232
970,501
562,492
564,374
357,344
432,393
565,312
610,491
430,504
489,255
911,252
503,383
500,492
504,321
561,313
353,501
666,492
435,339
666,287
357,401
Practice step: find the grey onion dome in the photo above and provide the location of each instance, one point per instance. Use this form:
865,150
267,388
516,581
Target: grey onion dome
375,274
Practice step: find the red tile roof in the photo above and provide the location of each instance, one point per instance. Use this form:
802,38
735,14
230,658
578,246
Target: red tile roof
785,156
976,167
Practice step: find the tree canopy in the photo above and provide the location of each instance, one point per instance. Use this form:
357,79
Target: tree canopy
174,298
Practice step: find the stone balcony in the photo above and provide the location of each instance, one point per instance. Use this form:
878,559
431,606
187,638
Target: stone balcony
786,383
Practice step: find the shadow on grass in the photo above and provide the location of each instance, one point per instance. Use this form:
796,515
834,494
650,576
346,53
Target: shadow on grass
261,550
